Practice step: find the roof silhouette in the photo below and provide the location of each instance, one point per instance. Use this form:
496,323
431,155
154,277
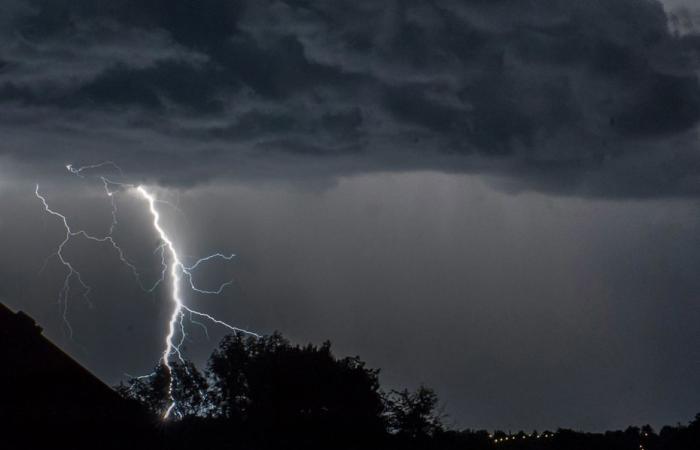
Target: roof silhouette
42,388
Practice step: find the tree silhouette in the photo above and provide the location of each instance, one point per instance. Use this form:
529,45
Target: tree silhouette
279,389
266,393
190,390
413,415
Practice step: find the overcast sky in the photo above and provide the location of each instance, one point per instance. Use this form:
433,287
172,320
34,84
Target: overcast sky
496,198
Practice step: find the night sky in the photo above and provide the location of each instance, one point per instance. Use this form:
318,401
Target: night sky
496,198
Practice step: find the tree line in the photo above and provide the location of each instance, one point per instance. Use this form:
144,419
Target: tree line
260,393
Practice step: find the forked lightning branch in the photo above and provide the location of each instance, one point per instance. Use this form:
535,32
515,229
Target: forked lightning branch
173,269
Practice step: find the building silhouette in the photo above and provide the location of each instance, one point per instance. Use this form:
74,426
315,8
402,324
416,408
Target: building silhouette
45,394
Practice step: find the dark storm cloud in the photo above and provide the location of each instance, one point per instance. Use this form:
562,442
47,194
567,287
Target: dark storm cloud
593,98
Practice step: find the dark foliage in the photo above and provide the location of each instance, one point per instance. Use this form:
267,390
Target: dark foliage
413,415
281,392
190,390
270,394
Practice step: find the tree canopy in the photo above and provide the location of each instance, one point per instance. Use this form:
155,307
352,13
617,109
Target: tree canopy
266,392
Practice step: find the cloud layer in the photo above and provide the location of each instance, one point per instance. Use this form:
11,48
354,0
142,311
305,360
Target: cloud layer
585,98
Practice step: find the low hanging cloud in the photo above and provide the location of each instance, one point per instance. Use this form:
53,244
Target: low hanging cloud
585,98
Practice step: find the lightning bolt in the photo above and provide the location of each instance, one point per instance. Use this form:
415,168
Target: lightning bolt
172,268
177,271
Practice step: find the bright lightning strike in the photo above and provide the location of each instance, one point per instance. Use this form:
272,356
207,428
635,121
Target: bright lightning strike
172,268
177,270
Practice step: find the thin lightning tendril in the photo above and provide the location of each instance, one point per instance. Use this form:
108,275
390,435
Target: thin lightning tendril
64,293
172,268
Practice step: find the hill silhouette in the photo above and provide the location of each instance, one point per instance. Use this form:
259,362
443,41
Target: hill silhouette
256,393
